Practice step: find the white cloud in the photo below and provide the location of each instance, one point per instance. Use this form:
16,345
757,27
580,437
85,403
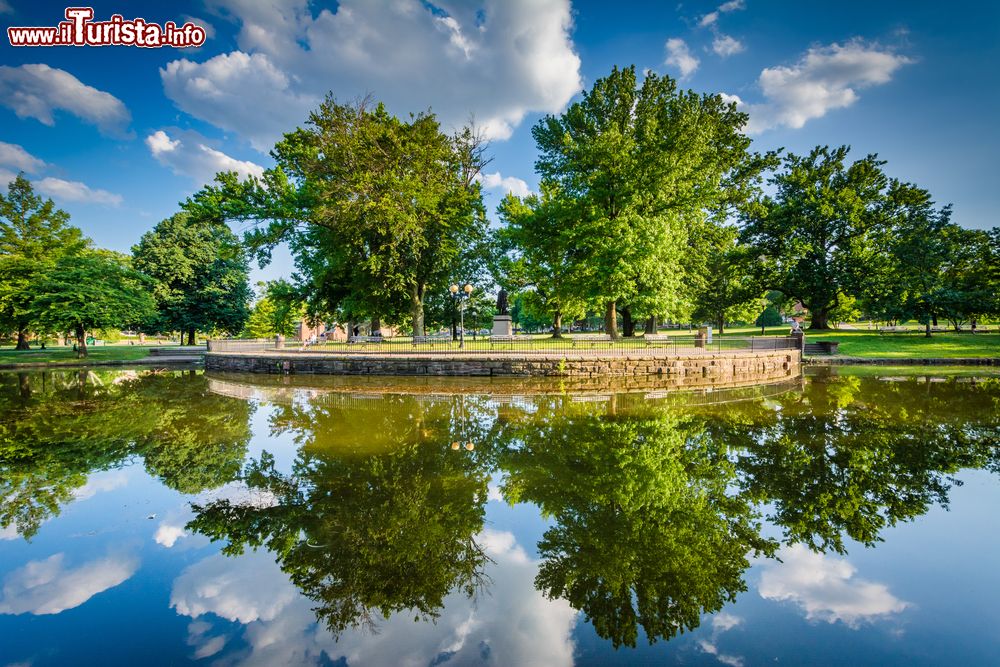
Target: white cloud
711,18
37,91
826,588
517,624
721,622
75,191
15,157
494,60
233,588
99,482
507,184
679,56
825,78
190,155
9,533
48,587
205,25
167,534
726,46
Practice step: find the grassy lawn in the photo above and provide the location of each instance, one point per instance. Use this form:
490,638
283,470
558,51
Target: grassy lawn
913,345
64,355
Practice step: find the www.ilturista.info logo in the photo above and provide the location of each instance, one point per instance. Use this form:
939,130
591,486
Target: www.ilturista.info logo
79,29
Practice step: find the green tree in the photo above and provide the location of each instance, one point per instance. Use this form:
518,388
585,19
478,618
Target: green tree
725,287
34,234
818,233
92,290
536,254
638,165
200,276
375,209
278,310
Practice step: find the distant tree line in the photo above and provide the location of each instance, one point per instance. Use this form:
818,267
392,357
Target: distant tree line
185,275
651,207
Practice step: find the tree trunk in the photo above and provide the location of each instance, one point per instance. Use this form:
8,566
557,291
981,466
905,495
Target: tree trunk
454,327
81,342
628,324
417,309
376,326
557,324
142,338
721,323
611,320
22,340
190,337
927,328
934,318
651,325
820,319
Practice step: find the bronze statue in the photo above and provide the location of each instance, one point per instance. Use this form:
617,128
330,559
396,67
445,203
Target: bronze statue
502,303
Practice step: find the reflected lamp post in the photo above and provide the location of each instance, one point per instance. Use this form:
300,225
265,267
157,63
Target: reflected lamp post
461,295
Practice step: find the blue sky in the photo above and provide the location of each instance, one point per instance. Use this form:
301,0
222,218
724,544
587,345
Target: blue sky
119,135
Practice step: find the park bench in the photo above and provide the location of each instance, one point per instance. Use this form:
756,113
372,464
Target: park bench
652,339
509,339
366,339
885,330
591,340
430,340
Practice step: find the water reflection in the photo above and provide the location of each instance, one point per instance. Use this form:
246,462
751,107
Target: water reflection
654,505
58,428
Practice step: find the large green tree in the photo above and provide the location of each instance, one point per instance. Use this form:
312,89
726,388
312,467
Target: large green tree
34,234
639,163
200,273
376,209
537,254
817,235
92,290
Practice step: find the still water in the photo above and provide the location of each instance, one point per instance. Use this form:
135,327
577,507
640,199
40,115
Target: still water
167,518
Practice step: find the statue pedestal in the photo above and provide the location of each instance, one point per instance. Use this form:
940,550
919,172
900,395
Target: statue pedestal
502,326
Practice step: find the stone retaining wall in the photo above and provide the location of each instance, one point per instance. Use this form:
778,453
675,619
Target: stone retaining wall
695,369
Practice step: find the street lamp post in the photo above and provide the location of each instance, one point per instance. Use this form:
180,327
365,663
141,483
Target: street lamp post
461,296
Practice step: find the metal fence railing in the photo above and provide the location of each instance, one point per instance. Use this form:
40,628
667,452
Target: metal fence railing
517,345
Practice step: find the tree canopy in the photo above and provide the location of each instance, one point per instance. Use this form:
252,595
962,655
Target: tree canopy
34,234
376,209
200,276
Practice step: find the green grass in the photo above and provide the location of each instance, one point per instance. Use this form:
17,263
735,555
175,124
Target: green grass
864,343
66,355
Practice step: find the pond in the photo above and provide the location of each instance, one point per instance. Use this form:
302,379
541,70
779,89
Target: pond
163,518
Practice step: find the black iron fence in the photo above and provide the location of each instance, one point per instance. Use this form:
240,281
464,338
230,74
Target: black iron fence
517,345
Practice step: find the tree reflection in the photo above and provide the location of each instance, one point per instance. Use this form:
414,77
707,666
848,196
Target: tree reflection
853,456
377,516
57,428
645,532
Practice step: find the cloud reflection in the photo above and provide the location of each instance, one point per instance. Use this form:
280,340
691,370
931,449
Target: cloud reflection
48,587
826,588
512,623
